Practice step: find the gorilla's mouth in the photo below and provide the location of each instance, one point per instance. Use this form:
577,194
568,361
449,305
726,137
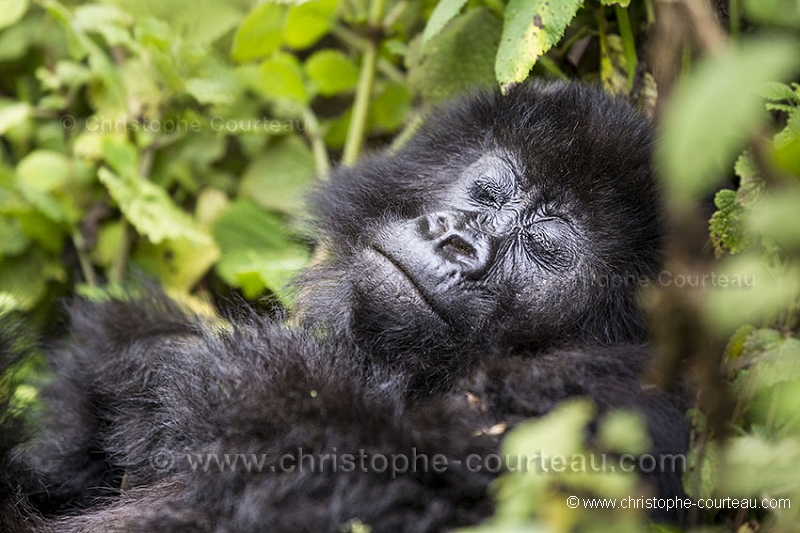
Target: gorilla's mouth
419,293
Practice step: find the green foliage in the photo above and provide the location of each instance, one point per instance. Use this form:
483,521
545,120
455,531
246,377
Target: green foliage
702,132
531,28
725,225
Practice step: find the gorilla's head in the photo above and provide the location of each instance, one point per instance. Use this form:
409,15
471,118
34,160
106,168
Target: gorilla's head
510,222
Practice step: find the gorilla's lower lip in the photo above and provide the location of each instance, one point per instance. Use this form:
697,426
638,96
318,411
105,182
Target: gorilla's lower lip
420,292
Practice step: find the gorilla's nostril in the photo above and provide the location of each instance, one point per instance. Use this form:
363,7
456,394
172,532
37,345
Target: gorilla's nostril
458,246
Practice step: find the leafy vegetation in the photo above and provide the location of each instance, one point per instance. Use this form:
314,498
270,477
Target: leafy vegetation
176,139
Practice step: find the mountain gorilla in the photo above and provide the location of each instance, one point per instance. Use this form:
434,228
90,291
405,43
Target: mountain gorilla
474,279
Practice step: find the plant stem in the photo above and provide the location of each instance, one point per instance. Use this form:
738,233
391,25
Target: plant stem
358,124
628,43
83,258
321,162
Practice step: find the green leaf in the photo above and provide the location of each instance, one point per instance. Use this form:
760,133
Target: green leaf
109,240
735,347
193,21
109,21
444,70
777,217
747,289
307,22
278,178
725,227
178,263
12,115
25,277
755,466
621,3
210,90
389,110
281,77
150,210
13,240
779,92
332,72
43,231
257,253
712,116
624,431
773,12
43,170
531,28
787,144
120,154
444,12
11,11
778,357
260,34
50,182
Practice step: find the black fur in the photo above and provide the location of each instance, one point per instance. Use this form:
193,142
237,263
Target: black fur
141,388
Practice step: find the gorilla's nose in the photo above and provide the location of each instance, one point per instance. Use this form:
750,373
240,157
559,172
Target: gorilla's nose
456,242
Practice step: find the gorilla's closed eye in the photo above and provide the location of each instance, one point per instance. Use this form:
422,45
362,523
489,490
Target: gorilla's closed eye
488,193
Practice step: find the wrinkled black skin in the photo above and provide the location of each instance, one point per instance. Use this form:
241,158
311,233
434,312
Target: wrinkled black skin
481,275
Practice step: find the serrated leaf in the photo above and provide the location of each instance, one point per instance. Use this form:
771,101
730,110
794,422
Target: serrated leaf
787,144
778,357
331,71
444,70
712,116
307,22
282,77
260,34
778,92
531,28
706,469
11,11
279,177
444,12
150,210
725,227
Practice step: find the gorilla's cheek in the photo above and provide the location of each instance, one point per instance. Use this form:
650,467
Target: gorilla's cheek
408,292
383,283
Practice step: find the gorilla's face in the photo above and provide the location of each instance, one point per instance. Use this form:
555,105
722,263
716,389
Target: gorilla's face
512,222
487,246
